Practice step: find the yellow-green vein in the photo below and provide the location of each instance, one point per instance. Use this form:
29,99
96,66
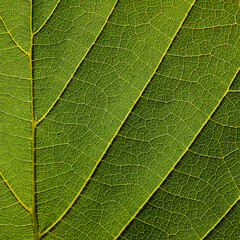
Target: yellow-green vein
13,37
13,192
234,91
187,148
47,18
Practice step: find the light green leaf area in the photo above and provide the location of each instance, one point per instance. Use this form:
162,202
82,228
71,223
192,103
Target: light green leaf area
119,119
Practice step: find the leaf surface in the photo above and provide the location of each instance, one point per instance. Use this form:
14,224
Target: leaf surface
119,119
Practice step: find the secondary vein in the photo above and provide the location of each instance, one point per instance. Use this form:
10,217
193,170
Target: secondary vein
14,193
69,80
50,15
13,37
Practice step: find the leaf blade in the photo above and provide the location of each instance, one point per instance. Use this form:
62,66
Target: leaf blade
235,193
132,115
92,194
114,123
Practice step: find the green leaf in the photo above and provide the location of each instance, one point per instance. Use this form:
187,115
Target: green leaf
119,119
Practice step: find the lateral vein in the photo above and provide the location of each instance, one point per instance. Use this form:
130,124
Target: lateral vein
13,37
50,15
67,83
15,195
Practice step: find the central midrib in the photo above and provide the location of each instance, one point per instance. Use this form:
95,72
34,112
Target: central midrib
33,210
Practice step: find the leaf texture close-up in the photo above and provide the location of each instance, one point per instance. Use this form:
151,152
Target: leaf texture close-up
119,119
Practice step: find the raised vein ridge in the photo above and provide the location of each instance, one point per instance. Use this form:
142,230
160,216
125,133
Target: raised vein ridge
15,195
50,15
13,37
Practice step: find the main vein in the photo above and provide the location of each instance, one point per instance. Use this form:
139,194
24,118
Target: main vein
33,210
